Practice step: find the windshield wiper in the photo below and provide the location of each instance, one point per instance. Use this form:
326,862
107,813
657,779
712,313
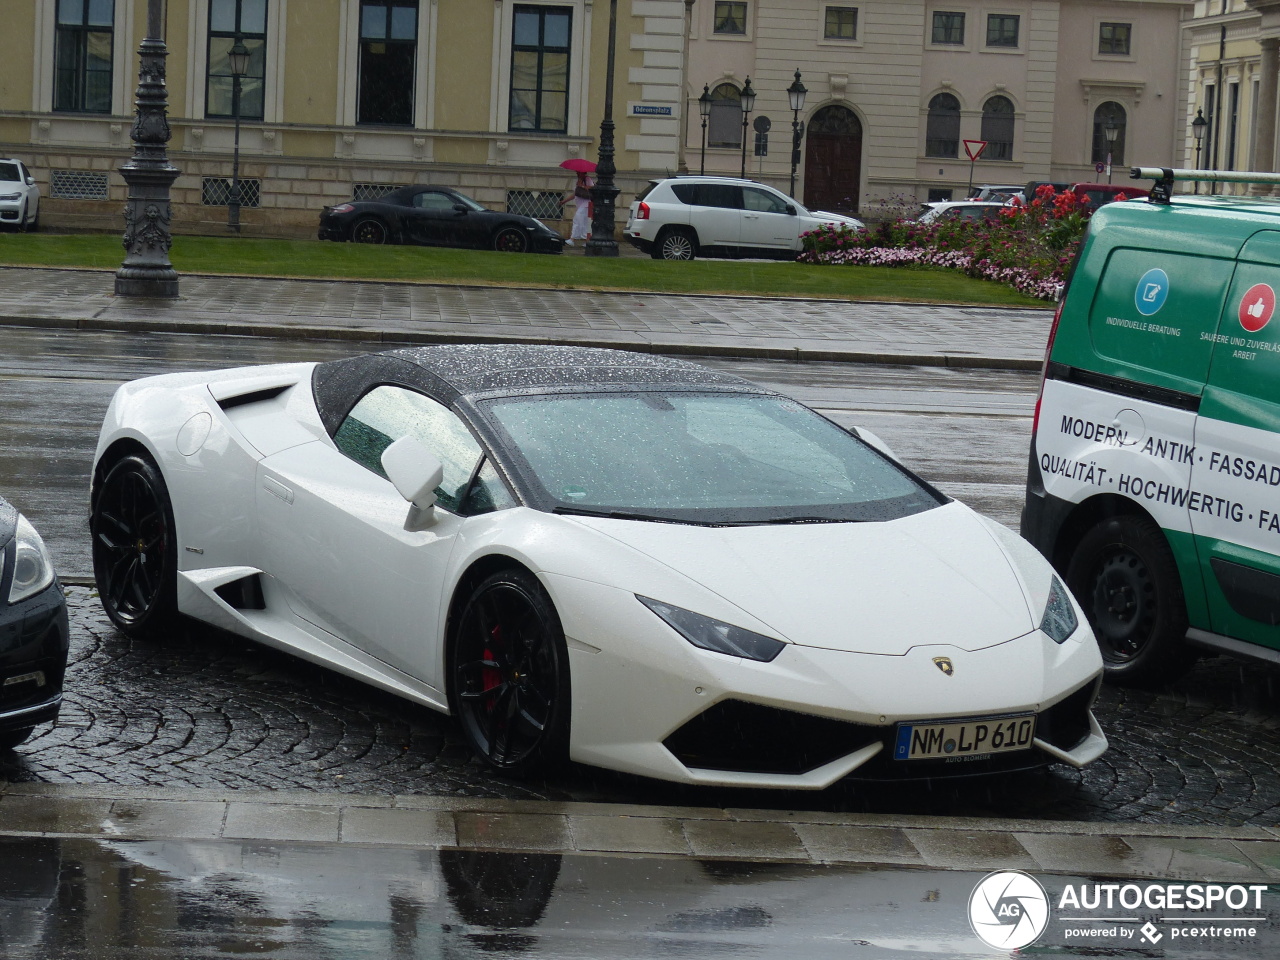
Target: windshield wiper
805,520
620,515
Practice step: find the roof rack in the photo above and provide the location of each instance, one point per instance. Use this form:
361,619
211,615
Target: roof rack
1165,177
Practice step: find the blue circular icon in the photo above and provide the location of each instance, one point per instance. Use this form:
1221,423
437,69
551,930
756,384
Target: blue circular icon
1153,290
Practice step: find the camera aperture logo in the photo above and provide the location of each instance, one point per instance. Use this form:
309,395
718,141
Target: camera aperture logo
1008,910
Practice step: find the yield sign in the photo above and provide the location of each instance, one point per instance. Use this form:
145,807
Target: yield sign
974,148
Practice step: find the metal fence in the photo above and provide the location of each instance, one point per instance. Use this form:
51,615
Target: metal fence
77,185
216,191
541,204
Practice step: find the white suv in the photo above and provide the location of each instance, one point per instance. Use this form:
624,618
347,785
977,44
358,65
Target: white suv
681,217
19,196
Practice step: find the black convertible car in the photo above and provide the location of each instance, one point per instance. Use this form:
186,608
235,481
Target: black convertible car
436,217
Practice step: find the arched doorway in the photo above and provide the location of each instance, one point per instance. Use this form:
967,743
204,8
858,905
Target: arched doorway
833,160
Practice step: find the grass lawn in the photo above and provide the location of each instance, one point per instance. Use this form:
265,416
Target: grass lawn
348,261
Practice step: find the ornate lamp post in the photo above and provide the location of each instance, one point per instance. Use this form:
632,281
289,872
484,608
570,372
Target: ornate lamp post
1197,131
748,104
146,271
1110,131
795,93
604,193
704,108
239,58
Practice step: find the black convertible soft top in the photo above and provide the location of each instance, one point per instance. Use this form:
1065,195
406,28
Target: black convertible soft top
449,372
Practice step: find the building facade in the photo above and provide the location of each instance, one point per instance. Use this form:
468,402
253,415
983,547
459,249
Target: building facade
347,98
341,98
895,90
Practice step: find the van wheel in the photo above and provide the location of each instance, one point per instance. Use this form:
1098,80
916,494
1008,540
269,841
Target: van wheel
1124,575
676,244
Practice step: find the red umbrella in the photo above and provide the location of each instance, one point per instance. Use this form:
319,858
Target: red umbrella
579,165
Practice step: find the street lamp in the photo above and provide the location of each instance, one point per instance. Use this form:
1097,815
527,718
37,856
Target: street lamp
1197,131
146,271
795,93
605,192
239,58
1110,131
704,108
748,103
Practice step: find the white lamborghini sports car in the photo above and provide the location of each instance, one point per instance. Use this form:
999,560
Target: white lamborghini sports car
630,561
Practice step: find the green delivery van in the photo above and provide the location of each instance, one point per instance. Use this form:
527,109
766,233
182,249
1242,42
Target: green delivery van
1154,479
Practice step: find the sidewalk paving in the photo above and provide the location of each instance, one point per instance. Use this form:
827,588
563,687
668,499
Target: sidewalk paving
1102,850
400,313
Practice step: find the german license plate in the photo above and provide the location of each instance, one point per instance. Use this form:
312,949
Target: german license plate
963,738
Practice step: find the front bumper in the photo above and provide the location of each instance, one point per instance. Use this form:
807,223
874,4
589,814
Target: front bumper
10,211
34,640
663,708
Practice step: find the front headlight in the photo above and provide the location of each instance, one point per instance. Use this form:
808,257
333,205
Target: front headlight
32,568
715,635
9,197
1059,620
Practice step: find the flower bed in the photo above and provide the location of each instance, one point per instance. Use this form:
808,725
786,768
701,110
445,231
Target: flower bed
1030,246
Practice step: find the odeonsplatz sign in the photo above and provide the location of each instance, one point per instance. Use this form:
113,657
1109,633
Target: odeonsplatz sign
1011,910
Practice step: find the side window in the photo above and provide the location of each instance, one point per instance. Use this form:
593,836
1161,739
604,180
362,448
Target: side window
388,48
387,413
82,56
488,493
685,192
762,201
540,69
434,201
231,21
724,195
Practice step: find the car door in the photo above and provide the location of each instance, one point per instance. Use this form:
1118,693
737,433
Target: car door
334,529
716,214
433,219
766,224
1235,476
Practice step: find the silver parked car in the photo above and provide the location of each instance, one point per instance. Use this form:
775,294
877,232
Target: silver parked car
683,217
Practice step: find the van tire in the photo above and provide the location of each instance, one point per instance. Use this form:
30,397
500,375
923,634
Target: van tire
1125,577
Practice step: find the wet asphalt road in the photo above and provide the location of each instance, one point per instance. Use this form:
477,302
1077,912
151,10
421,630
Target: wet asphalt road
209,710
134,900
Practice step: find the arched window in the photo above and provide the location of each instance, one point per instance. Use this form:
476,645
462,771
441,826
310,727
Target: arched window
997,128
724,125
1113,115
942,130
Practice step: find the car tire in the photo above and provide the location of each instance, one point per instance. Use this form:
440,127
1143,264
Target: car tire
676,243
34,225
12,738
511,240
509,675
1126,579
135,550
22,220
369,230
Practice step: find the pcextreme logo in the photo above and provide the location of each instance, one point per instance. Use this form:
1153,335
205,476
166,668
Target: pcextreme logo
1008,910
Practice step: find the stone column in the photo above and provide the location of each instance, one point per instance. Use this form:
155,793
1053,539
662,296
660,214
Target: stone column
682,163
1264,127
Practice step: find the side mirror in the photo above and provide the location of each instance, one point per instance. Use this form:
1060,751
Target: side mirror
869,438
415,471
791,209
31,181
459,208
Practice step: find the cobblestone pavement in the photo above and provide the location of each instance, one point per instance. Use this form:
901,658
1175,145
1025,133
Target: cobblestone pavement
399,312
207,709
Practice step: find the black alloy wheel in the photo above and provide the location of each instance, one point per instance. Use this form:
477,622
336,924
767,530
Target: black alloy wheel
369,230
676,244
509,672
12,738
135,553
511,240
1126,579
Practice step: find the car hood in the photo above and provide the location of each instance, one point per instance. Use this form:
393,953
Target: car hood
872,587
827,217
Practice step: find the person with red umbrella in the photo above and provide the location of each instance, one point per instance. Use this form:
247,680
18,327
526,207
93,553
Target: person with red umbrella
581,198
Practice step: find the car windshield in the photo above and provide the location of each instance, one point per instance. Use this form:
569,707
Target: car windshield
9,173
463,198
714,458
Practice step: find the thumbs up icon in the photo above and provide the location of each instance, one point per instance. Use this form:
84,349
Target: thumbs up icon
1255,310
